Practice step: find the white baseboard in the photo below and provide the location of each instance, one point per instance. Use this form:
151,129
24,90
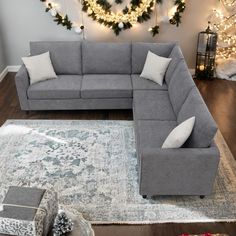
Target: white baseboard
13,68
8,69
3,74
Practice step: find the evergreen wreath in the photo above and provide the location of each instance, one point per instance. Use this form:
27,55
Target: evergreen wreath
138,11
100,10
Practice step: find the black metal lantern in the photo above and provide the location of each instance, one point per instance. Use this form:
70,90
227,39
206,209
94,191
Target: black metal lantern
206,53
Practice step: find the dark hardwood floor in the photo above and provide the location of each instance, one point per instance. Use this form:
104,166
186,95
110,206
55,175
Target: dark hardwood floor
220,97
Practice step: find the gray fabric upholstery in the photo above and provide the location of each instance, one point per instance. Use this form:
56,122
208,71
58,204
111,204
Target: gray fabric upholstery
177,56
180,86
152,105
64,87
81,104
140,83
106,58
22,84
106,86
65,56
182,171
205,128
140,50
153,133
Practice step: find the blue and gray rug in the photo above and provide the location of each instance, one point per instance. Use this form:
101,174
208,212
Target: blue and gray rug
93,166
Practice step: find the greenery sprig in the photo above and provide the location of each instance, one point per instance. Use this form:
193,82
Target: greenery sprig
154,30
176,19
118,1
61,20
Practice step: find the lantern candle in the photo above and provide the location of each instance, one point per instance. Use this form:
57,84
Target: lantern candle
206,52
202,67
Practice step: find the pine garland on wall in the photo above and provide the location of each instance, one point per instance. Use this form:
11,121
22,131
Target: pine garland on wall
176,19
138,11
64,21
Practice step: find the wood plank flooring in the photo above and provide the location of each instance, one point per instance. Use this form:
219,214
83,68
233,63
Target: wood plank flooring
220,97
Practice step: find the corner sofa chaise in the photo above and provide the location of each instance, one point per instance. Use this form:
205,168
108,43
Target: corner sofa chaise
107,76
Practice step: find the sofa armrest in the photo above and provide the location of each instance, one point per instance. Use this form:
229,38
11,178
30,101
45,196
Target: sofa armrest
183,171
22,84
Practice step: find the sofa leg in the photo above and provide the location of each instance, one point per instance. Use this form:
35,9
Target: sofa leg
202,196
145,196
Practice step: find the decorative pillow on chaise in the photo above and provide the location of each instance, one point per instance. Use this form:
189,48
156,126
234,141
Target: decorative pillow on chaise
155,68
179,135
39,67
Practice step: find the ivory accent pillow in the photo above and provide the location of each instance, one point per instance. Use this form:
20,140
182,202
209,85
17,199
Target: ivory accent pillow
39,67
179,135
155,67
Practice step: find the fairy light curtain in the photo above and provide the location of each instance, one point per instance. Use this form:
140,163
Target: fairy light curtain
223,21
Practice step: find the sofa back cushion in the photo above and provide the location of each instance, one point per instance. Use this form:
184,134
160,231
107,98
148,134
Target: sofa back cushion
140,51
205,127
179,86
65,56
177,56
106,58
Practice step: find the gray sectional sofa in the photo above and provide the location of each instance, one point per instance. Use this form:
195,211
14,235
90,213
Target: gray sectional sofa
106,76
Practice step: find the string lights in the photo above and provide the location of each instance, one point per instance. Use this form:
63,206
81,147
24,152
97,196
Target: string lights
225,26
155,29
137,11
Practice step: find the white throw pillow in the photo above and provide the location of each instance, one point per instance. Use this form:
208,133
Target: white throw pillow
179,135
155,67
39,67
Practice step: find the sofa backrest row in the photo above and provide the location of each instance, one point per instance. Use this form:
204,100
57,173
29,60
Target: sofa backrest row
101,58
186,102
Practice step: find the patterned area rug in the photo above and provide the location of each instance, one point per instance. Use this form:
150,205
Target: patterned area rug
93,166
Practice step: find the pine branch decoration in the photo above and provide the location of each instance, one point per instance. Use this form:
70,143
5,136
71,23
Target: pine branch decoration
118,1
176,19
59,19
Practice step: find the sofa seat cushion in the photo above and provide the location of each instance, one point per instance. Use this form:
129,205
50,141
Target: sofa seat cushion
152,105
153,133
106,86
144,84
64,87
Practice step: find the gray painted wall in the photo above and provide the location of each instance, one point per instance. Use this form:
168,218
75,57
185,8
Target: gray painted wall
26,20
3,63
